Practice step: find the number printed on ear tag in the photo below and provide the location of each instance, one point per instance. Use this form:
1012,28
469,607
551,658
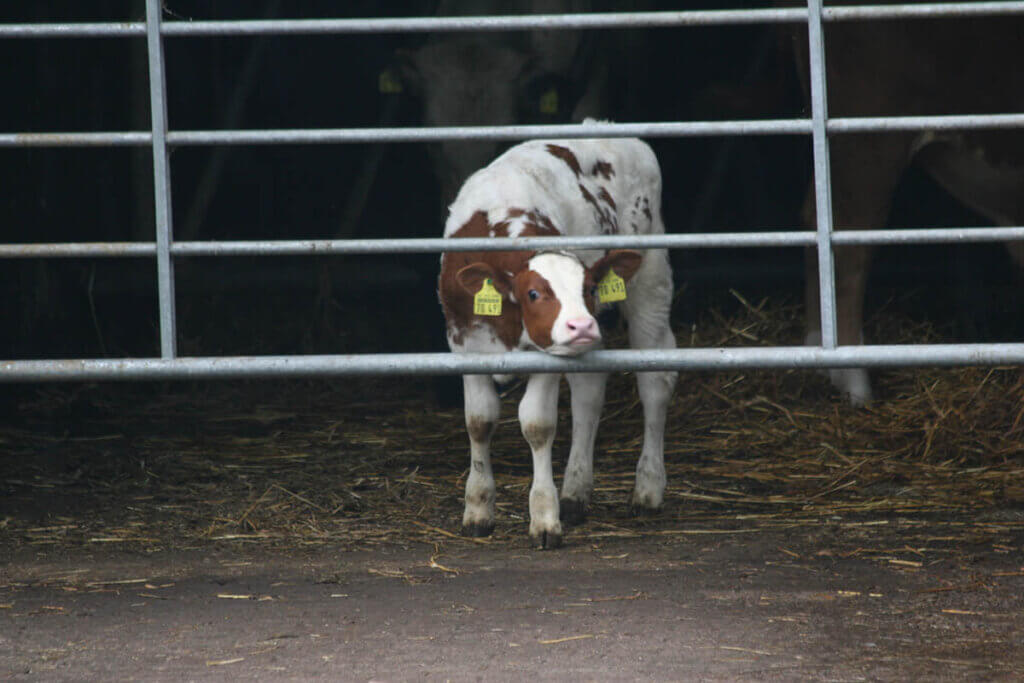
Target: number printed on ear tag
611,288
487,301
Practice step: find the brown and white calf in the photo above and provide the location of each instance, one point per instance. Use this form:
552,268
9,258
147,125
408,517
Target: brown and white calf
549,302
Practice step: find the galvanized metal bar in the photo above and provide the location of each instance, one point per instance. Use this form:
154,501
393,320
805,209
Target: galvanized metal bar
886,124
78,250
102,139
95,29
963,235
822,174
531,22
929,236
292,136
923,11
525,22
545,22
519,132
239,367
435,245
161,179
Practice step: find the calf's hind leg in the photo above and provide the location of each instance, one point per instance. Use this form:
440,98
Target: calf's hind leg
587,400
649,328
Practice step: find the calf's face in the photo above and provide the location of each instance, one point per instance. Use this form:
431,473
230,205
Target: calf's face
556,295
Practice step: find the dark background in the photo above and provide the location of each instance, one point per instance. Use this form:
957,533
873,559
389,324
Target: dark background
107,307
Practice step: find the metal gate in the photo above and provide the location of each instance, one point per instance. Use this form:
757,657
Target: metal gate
165,250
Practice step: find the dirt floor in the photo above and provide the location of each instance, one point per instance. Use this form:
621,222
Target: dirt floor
309,530
700,601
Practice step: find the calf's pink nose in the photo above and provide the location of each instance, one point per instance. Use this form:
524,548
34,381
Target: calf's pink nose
582,325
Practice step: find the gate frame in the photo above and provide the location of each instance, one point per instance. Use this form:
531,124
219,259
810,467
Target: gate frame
165,250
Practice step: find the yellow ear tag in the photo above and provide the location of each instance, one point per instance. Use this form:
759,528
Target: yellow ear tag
487,301
611,288
388,83
549,102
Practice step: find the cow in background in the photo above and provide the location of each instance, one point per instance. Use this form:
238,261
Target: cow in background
914,67
504,78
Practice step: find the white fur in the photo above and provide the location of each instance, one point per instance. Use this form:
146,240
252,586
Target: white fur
565,275
530,178
854,384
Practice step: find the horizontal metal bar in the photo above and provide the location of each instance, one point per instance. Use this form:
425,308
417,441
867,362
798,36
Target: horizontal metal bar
101,139
525,22
928,236
73,30
520,132
428,245
870,124
923,11
531,22
294,136
239,367
78,250
803,238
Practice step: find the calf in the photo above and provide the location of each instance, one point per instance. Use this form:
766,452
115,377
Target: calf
498,302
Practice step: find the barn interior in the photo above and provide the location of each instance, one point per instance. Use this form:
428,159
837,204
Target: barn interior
923,486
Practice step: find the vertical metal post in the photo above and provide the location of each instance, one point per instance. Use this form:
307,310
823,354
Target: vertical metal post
822,174
161,178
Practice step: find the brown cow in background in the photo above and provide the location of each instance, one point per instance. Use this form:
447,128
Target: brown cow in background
914,67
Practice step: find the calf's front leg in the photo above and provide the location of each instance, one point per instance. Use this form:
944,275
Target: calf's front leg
538,414
482,408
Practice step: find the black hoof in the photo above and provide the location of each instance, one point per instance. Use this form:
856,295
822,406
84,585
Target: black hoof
643,511
547,540
477,530
572,512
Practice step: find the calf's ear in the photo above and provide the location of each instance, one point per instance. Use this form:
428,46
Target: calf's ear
472,279
625,263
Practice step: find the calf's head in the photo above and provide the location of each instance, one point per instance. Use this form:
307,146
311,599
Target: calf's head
556,296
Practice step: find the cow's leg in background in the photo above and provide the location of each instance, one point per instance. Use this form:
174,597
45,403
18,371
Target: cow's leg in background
538,415
649,328
852,265
865,172
482,409
587,401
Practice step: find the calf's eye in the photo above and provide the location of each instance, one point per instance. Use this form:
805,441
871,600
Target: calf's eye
533,295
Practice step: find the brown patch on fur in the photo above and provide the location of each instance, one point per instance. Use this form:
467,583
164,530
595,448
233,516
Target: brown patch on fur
566,155
588,197
538,316
590,291
607,198
479,429
604,216
537,434
625,263
457,303
603,169
536,218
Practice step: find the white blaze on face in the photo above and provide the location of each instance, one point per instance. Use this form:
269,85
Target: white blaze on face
574,330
